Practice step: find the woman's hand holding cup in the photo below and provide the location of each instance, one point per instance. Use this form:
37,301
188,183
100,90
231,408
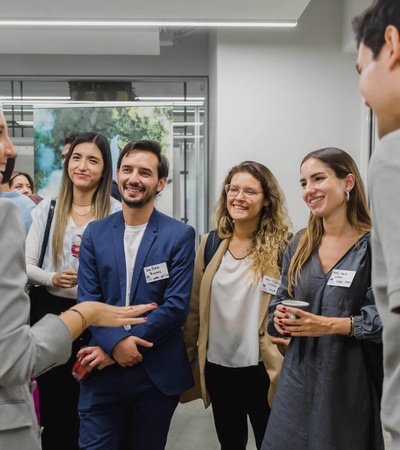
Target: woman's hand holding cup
288,315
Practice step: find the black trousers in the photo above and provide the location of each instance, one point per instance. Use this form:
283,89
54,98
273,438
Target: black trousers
58,389
238,393
58,400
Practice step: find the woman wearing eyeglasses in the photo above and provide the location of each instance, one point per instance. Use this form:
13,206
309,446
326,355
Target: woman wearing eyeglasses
226,327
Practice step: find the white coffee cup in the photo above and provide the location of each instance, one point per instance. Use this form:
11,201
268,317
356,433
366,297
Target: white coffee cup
299,304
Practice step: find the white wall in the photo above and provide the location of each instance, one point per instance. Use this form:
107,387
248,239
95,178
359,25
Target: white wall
351,8
279,94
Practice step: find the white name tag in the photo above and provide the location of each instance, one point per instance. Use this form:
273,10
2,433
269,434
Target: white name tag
156,272
342,278
270,285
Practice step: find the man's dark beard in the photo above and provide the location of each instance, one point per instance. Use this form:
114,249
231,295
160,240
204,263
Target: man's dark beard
137,204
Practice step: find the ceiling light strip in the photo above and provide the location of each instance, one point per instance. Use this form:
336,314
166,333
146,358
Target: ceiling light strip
17,98
147,23
175,99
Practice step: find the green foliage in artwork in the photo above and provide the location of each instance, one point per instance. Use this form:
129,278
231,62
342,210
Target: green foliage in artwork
40,178
133,125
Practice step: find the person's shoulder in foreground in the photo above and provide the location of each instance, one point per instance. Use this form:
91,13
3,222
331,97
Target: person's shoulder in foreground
33,351
25,205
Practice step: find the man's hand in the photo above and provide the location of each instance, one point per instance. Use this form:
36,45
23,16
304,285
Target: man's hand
126,352
95,357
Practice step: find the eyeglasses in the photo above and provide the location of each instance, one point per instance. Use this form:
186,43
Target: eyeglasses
233,190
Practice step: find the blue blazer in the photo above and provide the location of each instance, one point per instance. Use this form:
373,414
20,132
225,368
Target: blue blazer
102,277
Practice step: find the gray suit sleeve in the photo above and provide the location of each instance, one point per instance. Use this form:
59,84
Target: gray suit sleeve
25,351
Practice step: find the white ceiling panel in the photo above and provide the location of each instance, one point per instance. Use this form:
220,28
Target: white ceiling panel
24,8
155,9
82,42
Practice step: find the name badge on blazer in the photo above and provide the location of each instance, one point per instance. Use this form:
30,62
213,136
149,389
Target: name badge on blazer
270,285
156,272
342,278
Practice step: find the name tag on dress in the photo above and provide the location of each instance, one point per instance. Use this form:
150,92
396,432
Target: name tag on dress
270,285
342,278
156,272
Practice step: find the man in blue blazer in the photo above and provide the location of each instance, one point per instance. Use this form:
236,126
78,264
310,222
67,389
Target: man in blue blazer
136,256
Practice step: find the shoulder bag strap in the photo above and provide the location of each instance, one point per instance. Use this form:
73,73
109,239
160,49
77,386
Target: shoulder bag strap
47,232
212,244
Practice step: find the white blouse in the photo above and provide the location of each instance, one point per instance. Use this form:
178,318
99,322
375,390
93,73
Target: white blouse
234,313
44,276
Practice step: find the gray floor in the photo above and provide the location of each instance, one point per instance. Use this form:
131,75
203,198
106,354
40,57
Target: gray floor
192,428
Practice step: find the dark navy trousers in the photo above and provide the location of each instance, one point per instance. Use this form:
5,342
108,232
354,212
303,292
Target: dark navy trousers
120,408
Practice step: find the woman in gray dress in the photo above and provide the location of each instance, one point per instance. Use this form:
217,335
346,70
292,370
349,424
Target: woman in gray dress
329,389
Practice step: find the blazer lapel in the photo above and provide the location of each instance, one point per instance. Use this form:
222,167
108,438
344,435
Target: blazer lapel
144,248
264,303
118,232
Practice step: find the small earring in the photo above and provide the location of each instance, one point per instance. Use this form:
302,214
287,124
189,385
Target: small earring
347,196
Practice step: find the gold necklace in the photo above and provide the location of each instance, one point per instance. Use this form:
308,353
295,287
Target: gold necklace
77,204
82,215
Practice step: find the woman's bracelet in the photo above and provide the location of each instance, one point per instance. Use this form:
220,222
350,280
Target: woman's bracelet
84,323
351,332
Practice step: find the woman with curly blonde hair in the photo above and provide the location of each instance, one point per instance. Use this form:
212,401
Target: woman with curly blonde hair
226,327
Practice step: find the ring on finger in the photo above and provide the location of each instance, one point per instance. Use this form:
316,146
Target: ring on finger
128,308
298,328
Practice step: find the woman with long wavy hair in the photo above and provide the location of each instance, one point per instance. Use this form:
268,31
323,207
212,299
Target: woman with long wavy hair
226,328
331,380
85,195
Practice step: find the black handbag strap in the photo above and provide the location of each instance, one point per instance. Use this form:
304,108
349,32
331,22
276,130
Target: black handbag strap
47,232
212,243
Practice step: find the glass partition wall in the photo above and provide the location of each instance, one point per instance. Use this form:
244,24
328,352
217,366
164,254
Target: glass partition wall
188,97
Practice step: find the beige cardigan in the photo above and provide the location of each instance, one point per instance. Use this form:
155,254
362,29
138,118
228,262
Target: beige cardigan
196,328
